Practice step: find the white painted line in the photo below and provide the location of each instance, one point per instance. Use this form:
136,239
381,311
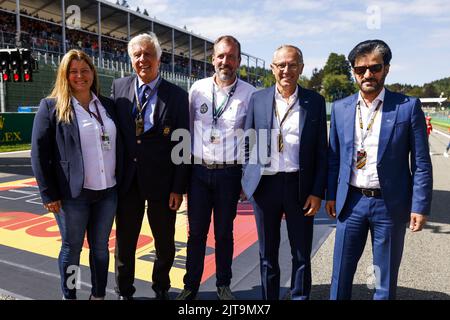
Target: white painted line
37,201
441,133
48,274
30,193
14,199
14,295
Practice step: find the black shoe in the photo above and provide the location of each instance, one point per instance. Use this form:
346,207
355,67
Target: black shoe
186,294
224,293
162,295
119,297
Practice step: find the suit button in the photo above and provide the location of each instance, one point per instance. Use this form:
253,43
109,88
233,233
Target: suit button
139,142
135,159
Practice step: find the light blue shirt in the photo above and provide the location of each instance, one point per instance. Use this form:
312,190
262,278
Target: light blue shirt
151,105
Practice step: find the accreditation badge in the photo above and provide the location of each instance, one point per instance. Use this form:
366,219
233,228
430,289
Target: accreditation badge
361,159
215,136
166,131
139,126
106,142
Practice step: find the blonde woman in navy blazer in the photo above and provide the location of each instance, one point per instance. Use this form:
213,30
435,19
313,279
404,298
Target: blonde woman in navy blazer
75,148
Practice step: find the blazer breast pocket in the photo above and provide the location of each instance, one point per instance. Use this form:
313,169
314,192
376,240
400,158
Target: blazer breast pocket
401,126
401,130
402,123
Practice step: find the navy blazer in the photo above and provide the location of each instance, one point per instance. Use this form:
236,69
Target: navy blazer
56,156
148,157
313,141
403,138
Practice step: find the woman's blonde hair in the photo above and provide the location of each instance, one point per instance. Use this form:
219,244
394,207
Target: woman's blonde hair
62,91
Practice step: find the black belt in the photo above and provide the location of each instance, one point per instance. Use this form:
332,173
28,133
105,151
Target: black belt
367,192
216,165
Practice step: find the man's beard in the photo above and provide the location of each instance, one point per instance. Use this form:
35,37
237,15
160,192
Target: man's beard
378,85
224,74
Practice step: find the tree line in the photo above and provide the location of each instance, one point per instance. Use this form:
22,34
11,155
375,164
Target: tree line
334,81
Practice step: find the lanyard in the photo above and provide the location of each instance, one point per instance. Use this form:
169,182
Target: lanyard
371,121
281,122
291,107
218,111
140,107
97,115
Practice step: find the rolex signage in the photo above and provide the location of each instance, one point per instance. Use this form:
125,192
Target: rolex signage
15,128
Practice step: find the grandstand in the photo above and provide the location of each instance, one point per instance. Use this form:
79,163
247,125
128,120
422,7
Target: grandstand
101,29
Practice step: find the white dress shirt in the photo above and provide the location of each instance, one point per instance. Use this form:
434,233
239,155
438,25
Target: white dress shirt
288,160
230,125
368,176
99,165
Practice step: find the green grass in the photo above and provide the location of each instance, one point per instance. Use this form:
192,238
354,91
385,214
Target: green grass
442,124
15,147
439,125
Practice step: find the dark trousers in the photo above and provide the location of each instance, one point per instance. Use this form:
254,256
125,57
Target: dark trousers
360,215
211,190
129,217
275,195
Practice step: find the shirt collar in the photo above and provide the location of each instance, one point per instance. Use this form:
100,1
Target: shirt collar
292,98
93,100
152,84
227,88
380,97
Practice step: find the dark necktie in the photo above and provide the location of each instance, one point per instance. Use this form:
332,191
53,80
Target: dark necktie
145,95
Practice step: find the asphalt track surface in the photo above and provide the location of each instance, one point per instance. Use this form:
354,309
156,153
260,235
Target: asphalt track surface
30,242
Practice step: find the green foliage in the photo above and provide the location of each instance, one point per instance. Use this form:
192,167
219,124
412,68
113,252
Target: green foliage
334,81
337,65
315,83
268,79
336,87
243,73
303,81
428,90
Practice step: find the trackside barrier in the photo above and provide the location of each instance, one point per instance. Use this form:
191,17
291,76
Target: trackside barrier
15,128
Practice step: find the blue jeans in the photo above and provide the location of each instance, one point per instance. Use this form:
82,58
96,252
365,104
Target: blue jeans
92,212
211,190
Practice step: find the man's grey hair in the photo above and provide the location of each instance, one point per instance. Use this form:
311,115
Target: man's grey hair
289,46
142,38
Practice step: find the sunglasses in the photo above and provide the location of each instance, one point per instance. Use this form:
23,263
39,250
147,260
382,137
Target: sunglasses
373,69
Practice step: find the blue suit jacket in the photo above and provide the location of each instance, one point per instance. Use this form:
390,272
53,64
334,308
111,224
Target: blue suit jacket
56,155
313,141
403,138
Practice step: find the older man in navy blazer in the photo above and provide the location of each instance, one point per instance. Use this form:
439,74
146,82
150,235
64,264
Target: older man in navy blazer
289,173
380,174
149,109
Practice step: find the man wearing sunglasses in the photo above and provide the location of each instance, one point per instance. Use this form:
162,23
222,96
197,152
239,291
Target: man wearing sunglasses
380,173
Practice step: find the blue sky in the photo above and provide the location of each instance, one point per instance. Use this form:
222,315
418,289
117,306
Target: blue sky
418,31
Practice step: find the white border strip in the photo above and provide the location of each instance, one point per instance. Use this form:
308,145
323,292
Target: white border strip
13,152
441,133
